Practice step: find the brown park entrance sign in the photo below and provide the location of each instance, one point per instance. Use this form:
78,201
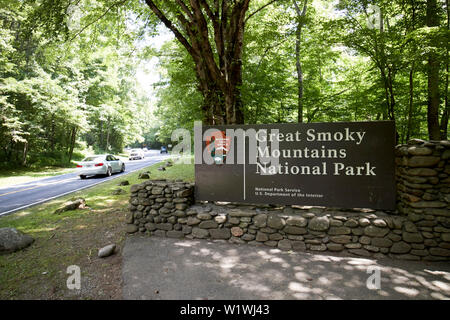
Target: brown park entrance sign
341,164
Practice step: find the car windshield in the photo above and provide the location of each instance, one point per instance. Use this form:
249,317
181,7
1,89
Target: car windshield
93,158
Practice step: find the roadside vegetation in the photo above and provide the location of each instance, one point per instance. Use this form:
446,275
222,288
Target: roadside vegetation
73,238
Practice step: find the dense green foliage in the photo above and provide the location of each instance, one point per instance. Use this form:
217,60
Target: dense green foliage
353,71
68,71
63,90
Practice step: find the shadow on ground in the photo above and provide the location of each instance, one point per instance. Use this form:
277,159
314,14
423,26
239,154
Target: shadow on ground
162,268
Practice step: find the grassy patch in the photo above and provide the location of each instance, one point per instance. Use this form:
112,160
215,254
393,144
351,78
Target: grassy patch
73,238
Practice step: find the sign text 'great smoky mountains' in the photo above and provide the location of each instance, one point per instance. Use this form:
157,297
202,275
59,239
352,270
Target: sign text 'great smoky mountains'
343,164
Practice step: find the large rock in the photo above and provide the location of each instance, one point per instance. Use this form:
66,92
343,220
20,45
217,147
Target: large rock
260,220
175,234
381,242
428,204
342,239
400,247
360,252
238,212
200,233
131,228
373,231
164,226
319,224
261,237
440,252
106,251
208,224
297,221
285,244
419,151
223,233
423,161
335,247
412,237
339,230
144,175
423,172
12,240
295,230
275,222
237,231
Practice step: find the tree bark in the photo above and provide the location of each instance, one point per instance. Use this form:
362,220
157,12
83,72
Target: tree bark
445,115
218,59
300,16
432,20
25,153
411,102
72,143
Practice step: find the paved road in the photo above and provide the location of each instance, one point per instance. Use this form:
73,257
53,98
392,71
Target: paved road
21,196
162,268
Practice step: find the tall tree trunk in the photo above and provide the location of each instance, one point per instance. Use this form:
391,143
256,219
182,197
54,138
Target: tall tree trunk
108,130
445,115
52,134
25,153
72,143
433,78
300,23
100,141
217,56
411,102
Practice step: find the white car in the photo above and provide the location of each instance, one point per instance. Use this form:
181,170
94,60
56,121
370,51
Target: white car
100,164
136,154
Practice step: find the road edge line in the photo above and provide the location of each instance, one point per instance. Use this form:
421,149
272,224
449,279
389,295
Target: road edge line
66,193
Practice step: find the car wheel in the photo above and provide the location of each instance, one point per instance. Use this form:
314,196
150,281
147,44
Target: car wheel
82,177
109,172
123,168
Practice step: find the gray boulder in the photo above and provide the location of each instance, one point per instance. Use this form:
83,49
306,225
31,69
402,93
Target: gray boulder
12,240
72,205
106,251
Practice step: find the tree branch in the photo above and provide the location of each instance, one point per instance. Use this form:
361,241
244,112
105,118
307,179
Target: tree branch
170,26
209,12
100,17
259,9
297,9
185,9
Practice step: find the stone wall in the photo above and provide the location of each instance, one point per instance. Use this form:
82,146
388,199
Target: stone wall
423,178
419,230
364,233
157,204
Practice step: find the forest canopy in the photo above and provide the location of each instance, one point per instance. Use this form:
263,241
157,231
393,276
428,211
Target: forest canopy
68,69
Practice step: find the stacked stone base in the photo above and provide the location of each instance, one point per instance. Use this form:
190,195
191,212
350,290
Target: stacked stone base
363,233
423,178
421,231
